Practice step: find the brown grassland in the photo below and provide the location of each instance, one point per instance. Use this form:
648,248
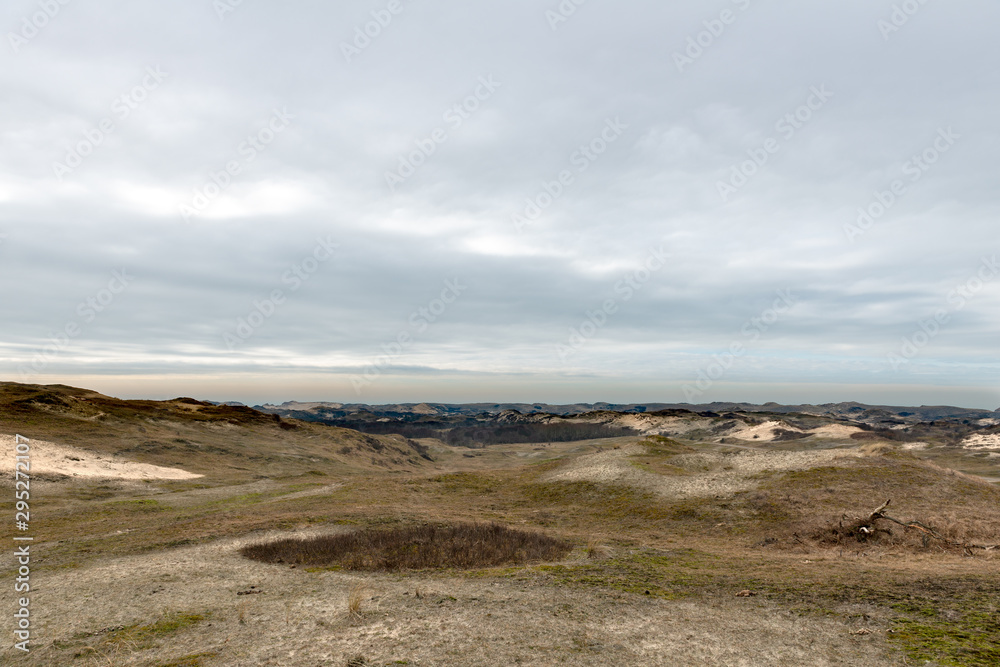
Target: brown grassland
634,551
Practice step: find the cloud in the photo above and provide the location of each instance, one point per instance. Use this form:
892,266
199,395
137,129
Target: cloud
406,97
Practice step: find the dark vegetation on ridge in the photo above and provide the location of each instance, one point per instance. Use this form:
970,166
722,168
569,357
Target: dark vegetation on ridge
489,434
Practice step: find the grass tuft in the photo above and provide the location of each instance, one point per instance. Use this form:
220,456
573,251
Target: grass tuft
355,598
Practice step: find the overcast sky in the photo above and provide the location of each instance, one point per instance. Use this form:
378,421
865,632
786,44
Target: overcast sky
437,200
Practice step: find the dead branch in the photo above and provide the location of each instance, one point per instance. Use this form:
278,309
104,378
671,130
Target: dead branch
928,532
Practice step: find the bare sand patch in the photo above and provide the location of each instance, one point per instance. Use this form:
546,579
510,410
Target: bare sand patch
765,432
984,441
838,431
911,446
50,458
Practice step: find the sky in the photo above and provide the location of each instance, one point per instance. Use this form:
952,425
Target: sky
433,200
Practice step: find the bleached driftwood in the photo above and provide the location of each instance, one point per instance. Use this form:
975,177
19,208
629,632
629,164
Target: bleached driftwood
928,532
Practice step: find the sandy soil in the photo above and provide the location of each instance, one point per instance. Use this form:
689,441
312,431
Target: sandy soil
989,441
837,431
712,474
50,458
761,432
301,618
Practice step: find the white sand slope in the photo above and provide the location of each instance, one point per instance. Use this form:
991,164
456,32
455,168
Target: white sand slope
836,431
50,458
982,441
763,432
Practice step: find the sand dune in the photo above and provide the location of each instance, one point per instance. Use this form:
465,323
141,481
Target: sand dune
50,458
982,441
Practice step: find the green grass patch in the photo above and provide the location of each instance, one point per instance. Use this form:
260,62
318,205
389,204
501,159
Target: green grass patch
194,660
658,445
465,482
967,633
164,627
122,640
144,505
608,501
670,575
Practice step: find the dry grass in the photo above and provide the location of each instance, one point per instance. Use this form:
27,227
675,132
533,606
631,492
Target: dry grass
241,611
595,550
648,556
355,598
830,504
463,546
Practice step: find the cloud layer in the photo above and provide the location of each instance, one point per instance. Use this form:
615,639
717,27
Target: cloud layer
399,200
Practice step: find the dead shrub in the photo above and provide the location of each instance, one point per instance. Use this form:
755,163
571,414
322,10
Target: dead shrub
461,546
